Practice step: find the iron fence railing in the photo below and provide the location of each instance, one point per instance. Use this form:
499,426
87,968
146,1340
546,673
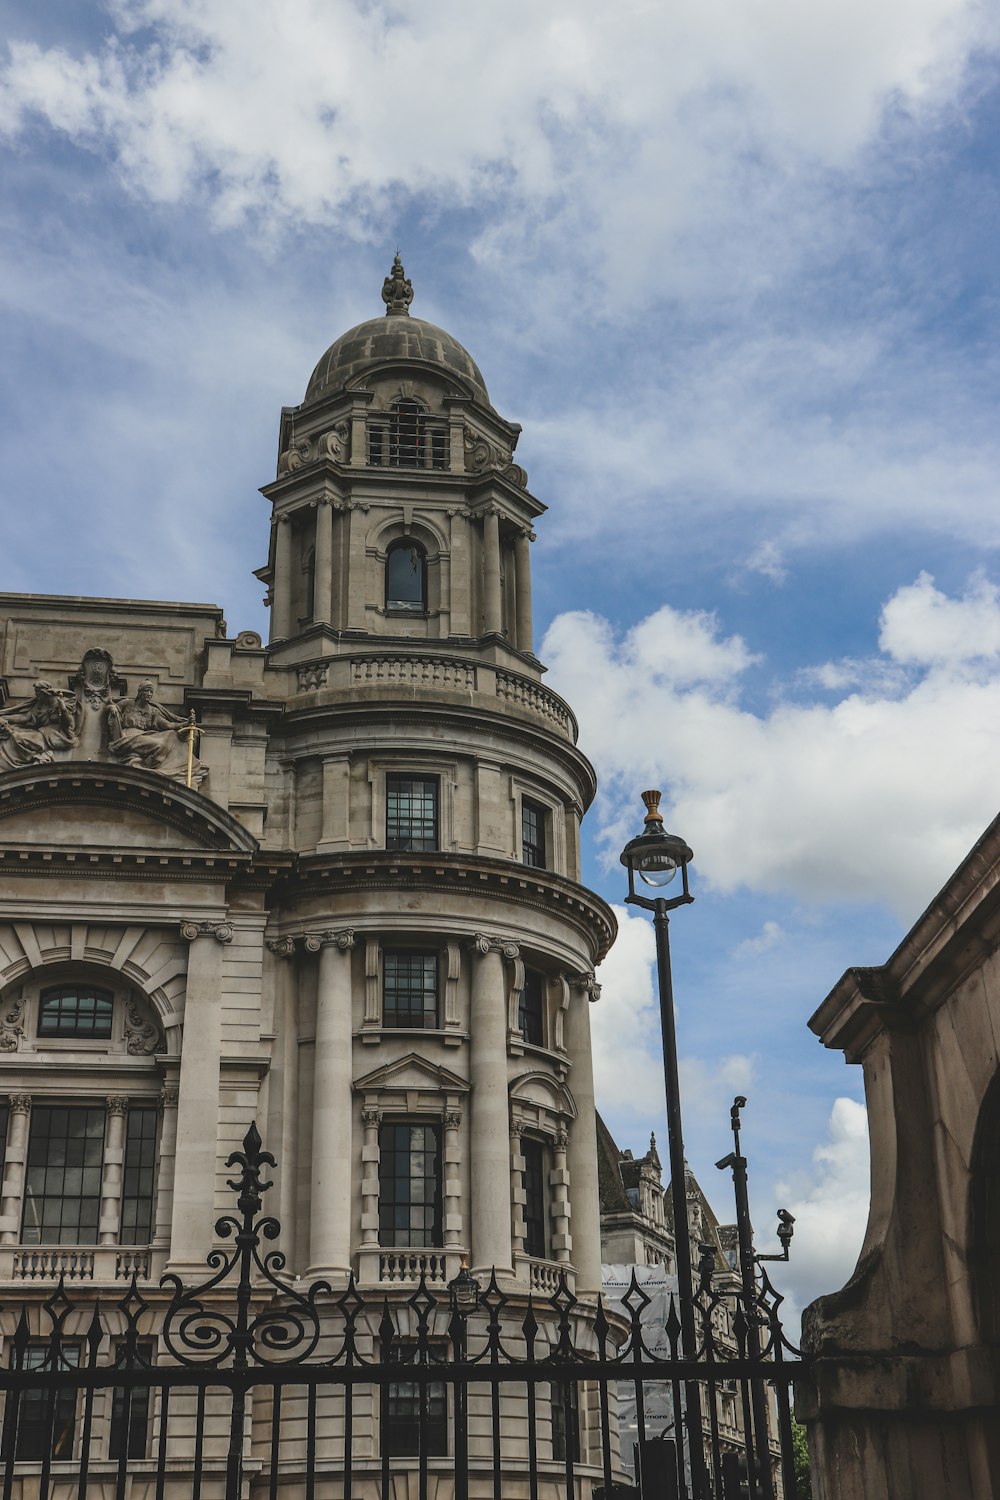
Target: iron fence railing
249,1385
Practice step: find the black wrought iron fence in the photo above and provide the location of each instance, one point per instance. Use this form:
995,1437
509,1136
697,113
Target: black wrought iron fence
249,1386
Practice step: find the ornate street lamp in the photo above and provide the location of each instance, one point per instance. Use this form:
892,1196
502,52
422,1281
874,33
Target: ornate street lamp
463,1292
656,856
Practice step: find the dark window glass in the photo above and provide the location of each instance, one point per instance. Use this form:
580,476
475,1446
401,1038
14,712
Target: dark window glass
401,1420
135,1435
531,1008
563,1427
376,446
139,1178
438,449
534,1196
75,1010
411,813
406,435
33,1413
409,989
533,833
406,578
409,1185
62,1187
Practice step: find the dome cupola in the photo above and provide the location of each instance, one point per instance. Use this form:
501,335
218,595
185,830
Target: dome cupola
394,339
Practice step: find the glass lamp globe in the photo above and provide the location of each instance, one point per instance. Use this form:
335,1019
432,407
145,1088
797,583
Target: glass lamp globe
656,867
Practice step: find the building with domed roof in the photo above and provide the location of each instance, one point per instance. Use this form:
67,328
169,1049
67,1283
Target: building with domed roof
328,884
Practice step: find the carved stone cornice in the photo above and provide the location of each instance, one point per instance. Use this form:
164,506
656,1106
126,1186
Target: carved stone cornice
221,931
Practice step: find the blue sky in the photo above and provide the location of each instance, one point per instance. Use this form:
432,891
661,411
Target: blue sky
733,267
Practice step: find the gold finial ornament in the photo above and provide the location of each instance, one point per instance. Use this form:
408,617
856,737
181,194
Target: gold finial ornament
397,291
652,801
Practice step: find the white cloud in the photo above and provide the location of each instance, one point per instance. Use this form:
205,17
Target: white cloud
770,934
923,627
319,109
625,1026
830,1205
867,797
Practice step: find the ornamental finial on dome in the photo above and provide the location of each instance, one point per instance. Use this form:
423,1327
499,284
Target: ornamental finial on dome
397,292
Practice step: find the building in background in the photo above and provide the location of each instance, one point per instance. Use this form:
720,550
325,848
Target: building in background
348,908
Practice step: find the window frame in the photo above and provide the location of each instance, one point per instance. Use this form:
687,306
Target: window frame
403,844
534,1178
531,1008
65,1410
394,1427
101,997
535,852
407,607
431,1016
147,1111
409,1237
29,1199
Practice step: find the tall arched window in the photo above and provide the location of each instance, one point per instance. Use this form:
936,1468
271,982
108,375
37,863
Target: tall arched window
406,578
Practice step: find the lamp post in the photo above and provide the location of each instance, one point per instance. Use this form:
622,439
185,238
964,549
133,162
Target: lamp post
463,1298
656,856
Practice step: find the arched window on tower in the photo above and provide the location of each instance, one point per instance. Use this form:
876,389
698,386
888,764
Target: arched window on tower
406,578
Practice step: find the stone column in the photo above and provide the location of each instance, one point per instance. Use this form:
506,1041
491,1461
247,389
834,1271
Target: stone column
110,1224
331,1201
281,584
490,1133
371,1119
581,1156
522,590
323,579
193,1209
165,1166
451,1169
12,1192
560,1208
492,610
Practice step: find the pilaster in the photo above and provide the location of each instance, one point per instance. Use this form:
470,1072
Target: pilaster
330,1207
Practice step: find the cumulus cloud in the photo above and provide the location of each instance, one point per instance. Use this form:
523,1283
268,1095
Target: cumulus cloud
830,1205
923,627
769,935
867,797
625,1025
322,111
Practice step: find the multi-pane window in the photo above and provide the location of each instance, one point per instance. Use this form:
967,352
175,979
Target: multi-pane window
533,833
76,1010
401,1420
409,989
129,1426
531,1008
411,804
406,435
409,1184
406,578
33,1418
534,1196
62,1183
139,1177
565,1421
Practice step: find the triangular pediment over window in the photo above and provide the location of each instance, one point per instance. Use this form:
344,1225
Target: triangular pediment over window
411,1072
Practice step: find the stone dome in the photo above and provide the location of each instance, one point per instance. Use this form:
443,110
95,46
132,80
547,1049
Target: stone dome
390,339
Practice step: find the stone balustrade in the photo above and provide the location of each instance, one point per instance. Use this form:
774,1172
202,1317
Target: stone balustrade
91,1263
482,683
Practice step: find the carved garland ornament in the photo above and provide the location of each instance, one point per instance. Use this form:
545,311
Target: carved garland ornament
10,1026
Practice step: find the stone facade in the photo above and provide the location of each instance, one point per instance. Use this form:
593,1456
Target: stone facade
905,1384
346,904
